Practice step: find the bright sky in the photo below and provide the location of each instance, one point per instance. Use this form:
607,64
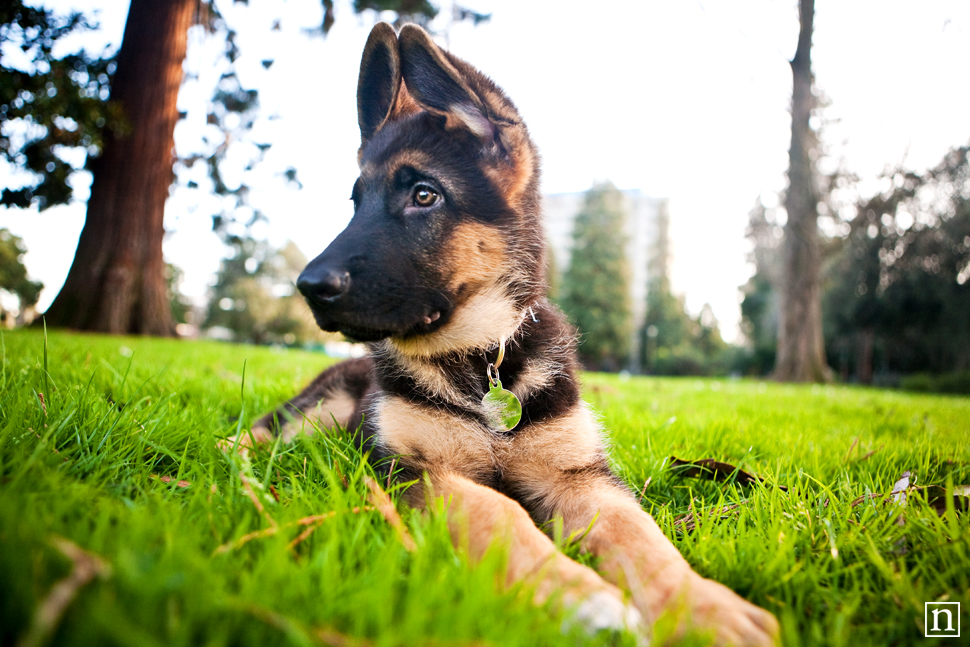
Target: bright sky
685,100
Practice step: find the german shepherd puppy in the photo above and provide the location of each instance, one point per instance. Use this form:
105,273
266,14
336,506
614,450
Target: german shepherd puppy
441,271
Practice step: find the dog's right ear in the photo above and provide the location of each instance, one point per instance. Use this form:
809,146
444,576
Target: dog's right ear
379,80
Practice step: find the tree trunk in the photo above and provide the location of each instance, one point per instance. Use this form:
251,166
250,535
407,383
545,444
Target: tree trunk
801,350
117,282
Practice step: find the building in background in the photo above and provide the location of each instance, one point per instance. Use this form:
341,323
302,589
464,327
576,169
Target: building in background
643,230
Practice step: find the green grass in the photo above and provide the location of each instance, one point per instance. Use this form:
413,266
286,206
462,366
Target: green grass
118,413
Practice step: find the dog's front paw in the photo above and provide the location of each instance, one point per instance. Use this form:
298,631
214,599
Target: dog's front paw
604,611
712,608
245,441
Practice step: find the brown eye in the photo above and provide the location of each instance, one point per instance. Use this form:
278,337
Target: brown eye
425,196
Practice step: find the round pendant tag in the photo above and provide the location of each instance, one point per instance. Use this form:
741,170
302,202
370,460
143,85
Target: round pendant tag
502,407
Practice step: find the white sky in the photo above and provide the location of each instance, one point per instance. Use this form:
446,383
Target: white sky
686,100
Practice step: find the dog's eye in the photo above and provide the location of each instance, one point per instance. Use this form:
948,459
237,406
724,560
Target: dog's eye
425,196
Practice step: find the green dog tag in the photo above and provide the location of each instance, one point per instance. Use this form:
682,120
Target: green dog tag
502,407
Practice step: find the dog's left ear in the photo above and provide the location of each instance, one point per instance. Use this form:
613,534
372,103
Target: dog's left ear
438,86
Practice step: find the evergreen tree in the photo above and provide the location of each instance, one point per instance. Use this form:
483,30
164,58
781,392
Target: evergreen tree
596,286
673,342
666,324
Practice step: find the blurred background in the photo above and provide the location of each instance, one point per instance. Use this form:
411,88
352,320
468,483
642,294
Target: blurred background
731,188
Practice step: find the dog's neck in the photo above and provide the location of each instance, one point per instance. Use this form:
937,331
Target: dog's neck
538,359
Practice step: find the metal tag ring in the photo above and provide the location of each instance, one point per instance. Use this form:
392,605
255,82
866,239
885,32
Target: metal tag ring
492,372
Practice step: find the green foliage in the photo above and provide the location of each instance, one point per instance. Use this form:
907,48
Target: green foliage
896,294
254,295
119,413
180,308
595,288
53,108
759,321
675,343
128,411
958,382
899,295
13,274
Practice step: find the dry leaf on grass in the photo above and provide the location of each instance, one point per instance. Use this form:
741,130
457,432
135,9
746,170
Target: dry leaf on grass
380,500
313,521
248,489
49,612
714,470
169,479
851,447
643,492
862,458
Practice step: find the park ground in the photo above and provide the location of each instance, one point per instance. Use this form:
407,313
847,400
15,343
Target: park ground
121,523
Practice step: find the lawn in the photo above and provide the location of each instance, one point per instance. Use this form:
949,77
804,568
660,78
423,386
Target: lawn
122,524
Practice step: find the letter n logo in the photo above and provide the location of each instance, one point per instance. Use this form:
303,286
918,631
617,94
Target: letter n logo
941,619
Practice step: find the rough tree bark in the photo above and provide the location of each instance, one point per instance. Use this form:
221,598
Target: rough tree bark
801,349
117,282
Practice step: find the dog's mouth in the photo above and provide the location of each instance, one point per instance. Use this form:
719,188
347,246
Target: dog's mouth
370,326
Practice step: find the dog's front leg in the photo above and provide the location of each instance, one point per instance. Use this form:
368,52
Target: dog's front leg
635,553
480,517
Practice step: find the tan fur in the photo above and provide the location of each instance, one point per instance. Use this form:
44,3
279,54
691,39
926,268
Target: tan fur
514,179
635,554
481,519
461,117
404,104
410,157
537,375
434,441
482,321
569,442
474,256
413,158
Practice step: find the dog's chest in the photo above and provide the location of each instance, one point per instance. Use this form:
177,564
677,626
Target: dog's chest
429,438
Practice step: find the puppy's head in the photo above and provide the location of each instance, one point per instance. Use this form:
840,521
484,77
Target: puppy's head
445,249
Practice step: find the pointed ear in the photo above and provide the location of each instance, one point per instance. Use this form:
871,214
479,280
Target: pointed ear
379,80
436,85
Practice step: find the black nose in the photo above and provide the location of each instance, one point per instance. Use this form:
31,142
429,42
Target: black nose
324,283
